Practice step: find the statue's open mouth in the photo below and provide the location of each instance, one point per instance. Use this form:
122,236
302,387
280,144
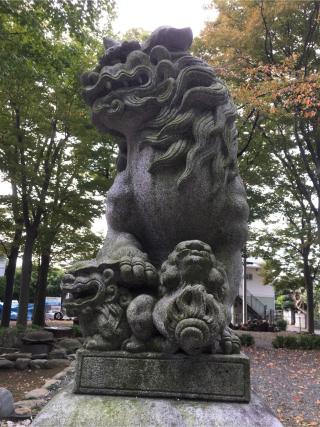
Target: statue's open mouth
81,293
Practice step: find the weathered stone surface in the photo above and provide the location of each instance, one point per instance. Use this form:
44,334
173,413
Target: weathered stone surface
57,353
4,350
70,410
36,349
31,403
60,375
40,336
11,338
51,384
40,356
38,363
6,403
23,411
37,393
22,363
177,212
5,364
17,355
55,363
210,377
70,345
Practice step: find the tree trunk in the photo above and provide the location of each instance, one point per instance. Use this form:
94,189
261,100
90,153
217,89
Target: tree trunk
41,289
31,235
9,275
310,302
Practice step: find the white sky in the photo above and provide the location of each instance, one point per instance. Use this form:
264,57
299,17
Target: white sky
150,14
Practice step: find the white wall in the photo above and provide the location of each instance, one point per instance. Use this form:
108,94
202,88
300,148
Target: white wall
255,286
3,261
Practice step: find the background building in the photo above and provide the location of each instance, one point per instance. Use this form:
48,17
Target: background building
260,297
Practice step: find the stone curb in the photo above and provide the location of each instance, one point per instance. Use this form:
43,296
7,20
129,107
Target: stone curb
36,399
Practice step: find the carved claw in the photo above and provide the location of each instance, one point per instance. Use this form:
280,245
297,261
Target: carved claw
96,342
230,343
136,270
133,345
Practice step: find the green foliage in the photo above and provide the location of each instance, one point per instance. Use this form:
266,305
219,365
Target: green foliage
76,331
247,340
282,324
267,52
54,279
138,34
303,342
284,302
58,165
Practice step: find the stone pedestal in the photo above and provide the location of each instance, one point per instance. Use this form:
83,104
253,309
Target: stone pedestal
207,376
71,410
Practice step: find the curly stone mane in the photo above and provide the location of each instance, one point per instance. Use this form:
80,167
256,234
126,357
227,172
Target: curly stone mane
193,120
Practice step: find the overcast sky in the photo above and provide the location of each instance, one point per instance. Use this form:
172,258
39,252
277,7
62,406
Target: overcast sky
150,14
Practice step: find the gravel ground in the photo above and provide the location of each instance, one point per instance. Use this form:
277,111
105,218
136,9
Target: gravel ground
20,382
289,381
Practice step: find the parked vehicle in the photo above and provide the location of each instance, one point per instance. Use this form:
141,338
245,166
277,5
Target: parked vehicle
53,309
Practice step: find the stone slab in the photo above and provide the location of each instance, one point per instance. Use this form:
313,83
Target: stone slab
208,377
6,403
70,410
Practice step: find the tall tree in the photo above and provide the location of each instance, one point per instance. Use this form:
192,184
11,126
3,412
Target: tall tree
11,227
79,171
45,45
268,53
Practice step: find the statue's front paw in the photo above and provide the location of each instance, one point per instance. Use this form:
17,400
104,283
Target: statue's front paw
133,345
230,343
137,270
96,342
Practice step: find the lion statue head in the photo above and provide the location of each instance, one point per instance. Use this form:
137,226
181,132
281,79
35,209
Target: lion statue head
172,99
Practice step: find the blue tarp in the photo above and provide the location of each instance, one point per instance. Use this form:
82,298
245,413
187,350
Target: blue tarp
14,311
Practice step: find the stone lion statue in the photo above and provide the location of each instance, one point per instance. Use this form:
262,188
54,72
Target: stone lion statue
177,176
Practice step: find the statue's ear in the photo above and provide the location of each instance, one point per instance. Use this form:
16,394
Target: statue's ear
107,42
174,39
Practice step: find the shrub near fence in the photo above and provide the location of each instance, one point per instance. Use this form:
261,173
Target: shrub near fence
246,340
282,324
301,342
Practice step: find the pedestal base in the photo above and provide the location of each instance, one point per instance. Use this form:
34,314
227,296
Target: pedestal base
71,410
208,377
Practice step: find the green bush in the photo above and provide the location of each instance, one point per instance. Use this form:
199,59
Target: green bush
246,340
278,341
76,331
282,324
290,341
303,342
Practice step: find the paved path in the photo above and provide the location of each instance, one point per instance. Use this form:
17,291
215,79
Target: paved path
292,328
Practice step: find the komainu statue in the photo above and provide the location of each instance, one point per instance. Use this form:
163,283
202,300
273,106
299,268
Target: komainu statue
170,266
